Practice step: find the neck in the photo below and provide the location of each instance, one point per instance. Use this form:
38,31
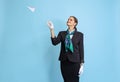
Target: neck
71,28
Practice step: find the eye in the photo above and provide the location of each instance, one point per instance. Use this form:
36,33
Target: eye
70,19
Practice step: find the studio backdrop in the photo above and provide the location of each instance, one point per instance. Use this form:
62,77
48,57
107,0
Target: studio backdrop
26,52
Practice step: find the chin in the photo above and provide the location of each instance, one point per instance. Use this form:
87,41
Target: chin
68,24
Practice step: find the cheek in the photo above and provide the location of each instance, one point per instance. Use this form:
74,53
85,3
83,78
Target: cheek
68,22
72,23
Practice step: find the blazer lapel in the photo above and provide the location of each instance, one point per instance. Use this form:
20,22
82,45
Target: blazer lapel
74,36
65,33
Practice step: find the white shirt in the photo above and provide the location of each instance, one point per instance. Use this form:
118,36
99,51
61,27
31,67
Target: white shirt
71,35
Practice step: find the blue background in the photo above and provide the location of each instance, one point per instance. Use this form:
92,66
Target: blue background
26,52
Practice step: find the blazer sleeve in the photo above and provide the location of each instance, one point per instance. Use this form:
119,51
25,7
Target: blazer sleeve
81,47
56,40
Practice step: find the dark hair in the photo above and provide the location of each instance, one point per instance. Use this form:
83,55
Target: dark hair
75,19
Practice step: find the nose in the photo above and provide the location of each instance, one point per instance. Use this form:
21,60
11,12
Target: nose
68,21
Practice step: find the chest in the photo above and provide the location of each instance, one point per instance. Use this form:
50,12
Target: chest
75,38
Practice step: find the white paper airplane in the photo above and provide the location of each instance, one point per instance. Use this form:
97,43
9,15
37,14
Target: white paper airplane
32,9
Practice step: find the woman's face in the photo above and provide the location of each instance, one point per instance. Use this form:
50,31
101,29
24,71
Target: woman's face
71,22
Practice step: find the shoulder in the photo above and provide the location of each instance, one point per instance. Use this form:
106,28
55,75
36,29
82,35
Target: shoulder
80,33
62,32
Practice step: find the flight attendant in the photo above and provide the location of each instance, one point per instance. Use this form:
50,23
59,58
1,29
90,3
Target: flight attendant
72,50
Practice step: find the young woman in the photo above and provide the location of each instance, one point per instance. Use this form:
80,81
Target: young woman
72,50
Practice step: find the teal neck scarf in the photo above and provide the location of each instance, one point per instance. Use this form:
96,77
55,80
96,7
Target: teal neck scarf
68,42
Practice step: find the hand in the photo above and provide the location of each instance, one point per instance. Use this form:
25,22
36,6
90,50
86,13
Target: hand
81,68
50,25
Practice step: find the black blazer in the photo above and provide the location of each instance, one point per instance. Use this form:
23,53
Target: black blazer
77,40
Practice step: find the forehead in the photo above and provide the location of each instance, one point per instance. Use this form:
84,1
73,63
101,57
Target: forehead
71,18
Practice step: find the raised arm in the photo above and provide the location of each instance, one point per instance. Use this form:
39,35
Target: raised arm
51,27
55,40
